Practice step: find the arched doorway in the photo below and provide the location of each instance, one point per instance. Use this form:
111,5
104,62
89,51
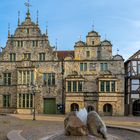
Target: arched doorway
74,107
107,109
136,108
90,108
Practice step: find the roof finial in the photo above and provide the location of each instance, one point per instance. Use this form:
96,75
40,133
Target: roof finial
37,18
93,26
18,18
8,29
117,50
56,41
27,4
47,28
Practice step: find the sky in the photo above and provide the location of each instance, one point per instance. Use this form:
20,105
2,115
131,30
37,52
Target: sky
115,20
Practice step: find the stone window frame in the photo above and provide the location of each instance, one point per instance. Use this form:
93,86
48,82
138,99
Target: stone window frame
26,77
7,78
103,66
112,86
25,100
75,88
83,66
42,56
49,79
6,100
12,57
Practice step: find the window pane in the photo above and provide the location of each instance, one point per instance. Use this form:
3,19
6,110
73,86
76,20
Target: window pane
31,100
6,100
85,66
102,86
79,86
44,78
27,100
87,53
23,103
19,101
69,86
53,79
81,66
74,86
138,68
135,81
113,86
32,77
107,86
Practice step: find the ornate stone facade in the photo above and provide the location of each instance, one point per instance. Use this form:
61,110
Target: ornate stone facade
89,76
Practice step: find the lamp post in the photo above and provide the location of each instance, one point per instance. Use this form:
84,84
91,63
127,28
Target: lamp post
33,89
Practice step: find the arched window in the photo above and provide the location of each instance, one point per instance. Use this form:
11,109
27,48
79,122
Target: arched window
136,108
107,109
74,107
90,108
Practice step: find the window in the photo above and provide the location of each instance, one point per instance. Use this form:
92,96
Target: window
103,66
92,42
25,77
25,100
27,56
135,84
102,86
92,66
74,86
83,66
7,78
20,43
69,86
12,57
113,86
44,79
41,56
6,100
87,53
28,31
51,79
107,86
139,68
79,86
35,43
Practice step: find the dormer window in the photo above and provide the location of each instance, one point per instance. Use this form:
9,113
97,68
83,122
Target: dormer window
35,43
27,31
20,43
87,53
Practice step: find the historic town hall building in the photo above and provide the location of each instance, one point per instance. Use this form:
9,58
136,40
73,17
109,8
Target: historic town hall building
32,73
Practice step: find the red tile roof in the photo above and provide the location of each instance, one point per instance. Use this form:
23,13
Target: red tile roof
63,54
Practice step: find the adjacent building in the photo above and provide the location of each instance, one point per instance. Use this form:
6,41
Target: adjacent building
132,84
35,74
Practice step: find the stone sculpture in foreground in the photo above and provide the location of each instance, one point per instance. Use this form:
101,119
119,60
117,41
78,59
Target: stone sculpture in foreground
74,126
95,125
82,123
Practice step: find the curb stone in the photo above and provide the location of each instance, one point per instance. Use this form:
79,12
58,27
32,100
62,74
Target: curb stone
15,135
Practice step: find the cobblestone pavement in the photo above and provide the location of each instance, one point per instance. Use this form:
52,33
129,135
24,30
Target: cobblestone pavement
50,124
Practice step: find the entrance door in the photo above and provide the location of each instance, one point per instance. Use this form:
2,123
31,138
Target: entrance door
107,109
90,108
136,108
49,106
74,107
